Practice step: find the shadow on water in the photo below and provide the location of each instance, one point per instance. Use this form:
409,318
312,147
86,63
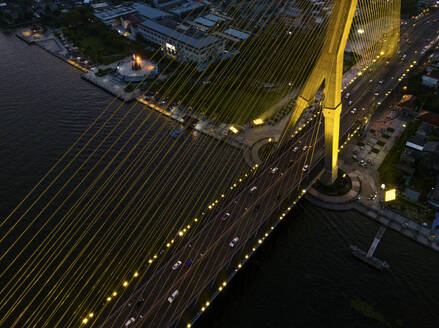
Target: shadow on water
305,276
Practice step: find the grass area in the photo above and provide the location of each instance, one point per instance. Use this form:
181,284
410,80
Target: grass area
130,87
390,129
95,39
374,150
427,98
423,182
385,136
413,210
103,72
361,144
389,172
245,86
372,131
380,143
341,186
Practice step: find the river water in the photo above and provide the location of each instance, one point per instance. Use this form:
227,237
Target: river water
304,276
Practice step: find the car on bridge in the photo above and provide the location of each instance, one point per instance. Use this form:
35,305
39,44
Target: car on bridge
274,170
253,189
173,296
176,265
234,242
225,216
295,149
305,168
130,322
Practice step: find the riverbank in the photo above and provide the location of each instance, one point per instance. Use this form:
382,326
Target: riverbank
49,42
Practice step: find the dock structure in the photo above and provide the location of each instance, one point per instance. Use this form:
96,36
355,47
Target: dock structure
368,257
376,240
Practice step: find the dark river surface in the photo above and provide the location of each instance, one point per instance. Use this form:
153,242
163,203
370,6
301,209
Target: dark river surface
304,275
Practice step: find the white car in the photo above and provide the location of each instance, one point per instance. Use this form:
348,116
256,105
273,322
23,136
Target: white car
305,148
225,216
305,168
354,110
234,242
350,102
274,170
176,265
253,189
380,81
295,149
347,95
129,322
173,296
376,94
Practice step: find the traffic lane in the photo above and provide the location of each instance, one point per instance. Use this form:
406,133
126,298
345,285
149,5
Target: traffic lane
296,167
191,291
204,247
306,133
238,214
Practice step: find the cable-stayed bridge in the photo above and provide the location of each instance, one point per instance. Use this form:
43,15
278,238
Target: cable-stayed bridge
143,225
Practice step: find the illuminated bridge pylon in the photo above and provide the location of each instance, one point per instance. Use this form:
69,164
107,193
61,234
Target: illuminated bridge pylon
328,71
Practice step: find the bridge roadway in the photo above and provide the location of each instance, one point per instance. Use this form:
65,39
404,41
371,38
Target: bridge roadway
250,210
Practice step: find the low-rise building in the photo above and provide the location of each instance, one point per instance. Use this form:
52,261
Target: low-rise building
180,41
407,106
431,79
110,14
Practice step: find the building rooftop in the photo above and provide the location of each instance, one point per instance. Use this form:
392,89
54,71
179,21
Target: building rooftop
186,7
429,117
412,194
416,142
111,12
214,18
407,101
204,21
237,34
133,19
148,11
192,37
432,75
431,147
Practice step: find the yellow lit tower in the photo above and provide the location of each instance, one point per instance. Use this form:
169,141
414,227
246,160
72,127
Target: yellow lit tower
328,71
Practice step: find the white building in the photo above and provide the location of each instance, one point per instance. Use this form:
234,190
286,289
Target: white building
180,41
